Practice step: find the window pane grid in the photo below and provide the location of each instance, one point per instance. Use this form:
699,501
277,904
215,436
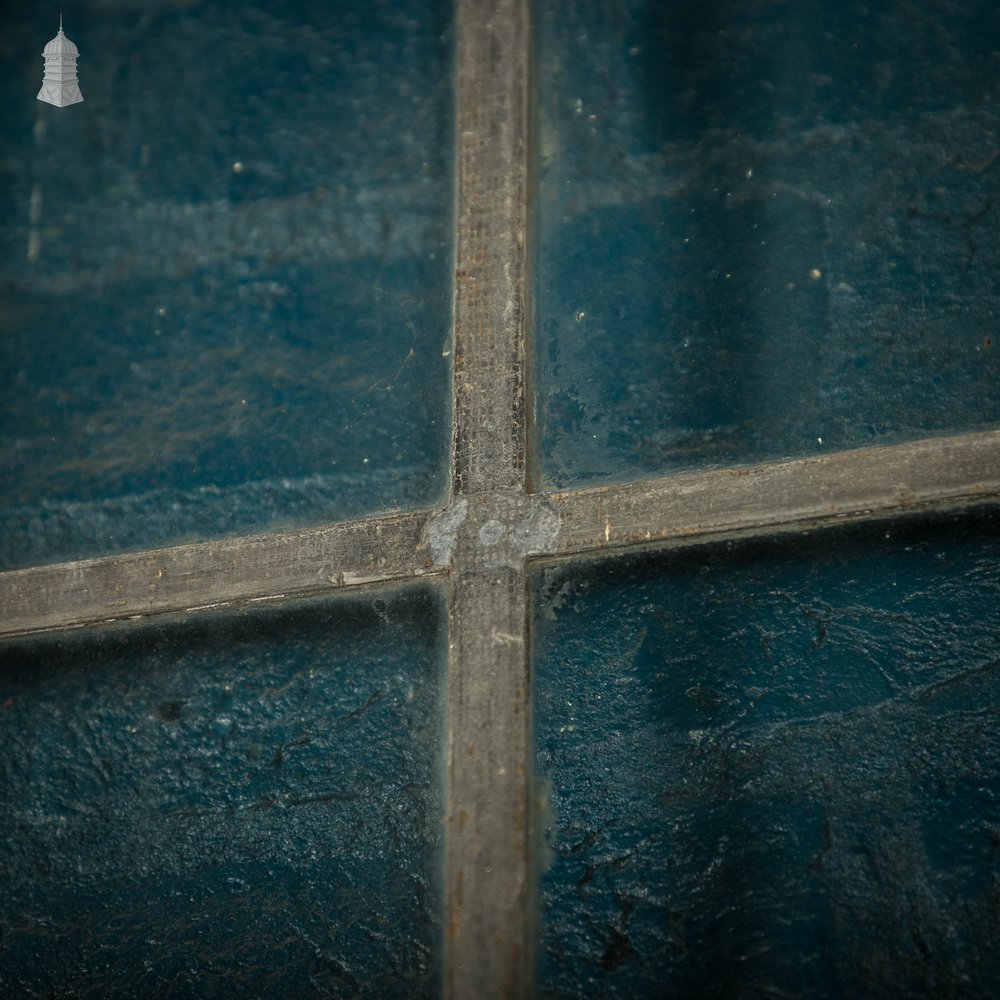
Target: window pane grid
489,462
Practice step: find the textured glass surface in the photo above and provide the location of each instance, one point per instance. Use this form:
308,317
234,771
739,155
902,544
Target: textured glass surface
766,229
775,768
224,285
242,805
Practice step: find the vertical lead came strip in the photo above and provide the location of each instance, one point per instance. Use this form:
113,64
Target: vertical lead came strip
489,893
489,436
488,885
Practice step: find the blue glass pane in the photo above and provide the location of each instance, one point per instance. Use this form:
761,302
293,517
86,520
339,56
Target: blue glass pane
224,277
242,805
765,230
774,768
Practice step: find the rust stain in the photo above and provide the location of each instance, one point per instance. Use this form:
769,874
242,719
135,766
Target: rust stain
463,818
510,980
455,918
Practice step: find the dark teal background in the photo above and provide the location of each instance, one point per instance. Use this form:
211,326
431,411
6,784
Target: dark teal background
197,348
766,229
774,767
245,804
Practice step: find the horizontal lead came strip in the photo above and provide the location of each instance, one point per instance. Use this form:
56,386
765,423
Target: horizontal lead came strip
255,568
877,480
210,574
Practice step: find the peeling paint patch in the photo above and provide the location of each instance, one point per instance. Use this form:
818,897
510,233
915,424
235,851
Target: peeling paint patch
442,530
491,532
538,532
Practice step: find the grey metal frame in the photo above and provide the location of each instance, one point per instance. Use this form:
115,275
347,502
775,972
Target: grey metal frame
494,525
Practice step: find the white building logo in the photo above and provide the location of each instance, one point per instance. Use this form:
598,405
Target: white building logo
59,86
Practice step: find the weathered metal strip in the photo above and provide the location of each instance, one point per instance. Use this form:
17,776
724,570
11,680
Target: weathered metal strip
489,888
489,434
489,891
870,481
213,574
